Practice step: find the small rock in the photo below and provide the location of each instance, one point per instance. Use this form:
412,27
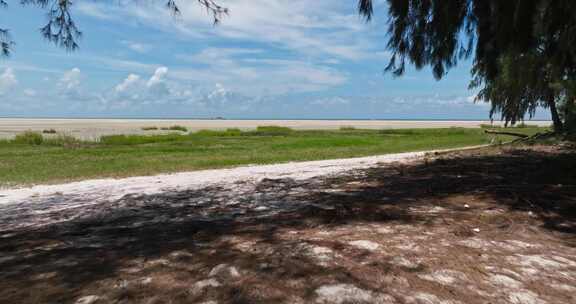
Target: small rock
477,230
466,206
363,244
87,300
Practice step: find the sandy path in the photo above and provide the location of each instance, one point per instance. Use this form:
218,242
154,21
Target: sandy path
109,189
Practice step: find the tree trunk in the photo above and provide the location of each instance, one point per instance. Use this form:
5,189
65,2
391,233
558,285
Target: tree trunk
505,133
570,117
558,125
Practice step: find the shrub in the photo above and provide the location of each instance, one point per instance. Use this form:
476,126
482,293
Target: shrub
49,131
149,128
272,131
30,138
347,128
176,128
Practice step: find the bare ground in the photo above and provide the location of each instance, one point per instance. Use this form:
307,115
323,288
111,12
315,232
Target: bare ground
483,226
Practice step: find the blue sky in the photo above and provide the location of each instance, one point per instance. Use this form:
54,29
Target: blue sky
267,59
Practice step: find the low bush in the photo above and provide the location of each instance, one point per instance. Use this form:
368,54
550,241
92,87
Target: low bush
29,138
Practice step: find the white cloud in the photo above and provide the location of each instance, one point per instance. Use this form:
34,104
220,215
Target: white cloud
7,81
250,72
331,101
29,92
314,28
70,81
158,77
128,83
136,46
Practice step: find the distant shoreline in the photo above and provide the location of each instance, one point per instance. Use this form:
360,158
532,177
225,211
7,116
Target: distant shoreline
257,119
97,127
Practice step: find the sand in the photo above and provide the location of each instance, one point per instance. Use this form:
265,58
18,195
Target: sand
94,128
94,191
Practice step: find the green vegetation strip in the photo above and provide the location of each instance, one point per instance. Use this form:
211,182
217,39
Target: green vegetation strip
32,158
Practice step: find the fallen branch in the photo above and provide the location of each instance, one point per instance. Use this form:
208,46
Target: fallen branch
506,133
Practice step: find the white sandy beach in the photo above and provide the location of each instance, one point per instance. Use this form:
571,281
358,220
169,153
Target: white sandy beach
94,128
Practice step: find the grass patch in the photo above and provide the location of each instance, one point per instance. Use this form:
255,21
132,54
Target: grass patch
113,140
31,158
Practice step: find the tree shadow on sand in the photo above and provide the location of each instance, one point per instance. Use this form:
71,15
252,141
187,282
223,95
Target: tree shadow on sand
182,238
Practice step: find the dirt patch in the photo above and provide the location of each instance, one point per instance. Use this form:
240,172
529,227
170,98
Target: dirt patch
484,226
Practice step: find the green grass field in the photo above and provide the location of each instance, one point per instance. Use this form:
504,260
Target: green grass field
30,159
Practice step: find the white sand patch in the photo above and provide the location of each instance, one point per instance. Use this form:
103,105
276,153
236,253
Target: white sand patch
540,261
524,297
200,285
385,230
564,287
408,246
445,277
426,298
364,244
347,293
94,191
225,271
404,262
504,281
87,300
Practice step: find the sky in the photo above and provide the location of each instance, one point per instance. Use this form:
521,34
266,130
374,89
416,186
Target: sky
273,59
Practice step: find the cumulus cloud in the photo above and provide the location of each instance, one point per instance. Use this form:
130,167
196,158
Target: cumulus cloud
7,81
158,77
70,80
128,83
